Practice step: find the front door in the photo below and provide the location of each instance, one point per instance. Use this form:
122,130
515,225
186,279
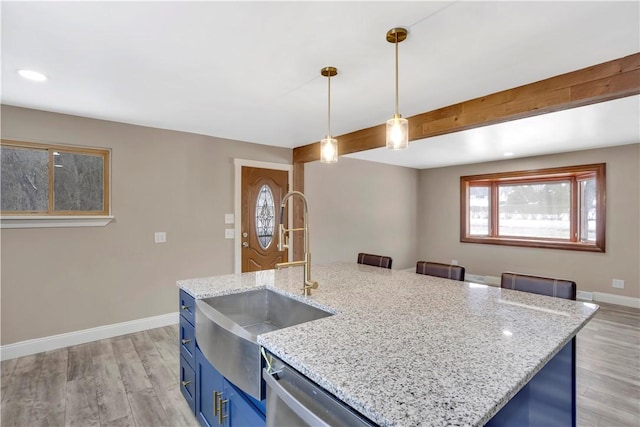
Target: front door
262,193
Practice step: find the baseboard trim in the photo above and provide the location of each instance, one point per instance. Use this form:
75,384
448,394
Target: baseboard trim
584,296
616,299
492,280
483,280
54,342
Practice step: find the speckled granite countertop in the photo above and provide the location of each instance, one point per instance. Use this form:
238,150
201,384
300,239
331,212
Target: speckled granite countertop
411,350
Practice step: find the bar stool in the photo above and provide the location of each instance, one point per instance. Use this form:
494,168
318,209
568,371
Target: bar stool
447,271
560,288
374,260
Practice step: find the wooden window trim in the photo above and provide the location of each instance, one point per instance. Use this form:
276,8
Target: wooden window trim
572,173
51,213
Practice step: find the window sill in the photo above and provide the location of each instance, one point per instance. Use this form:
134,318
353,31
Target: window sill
531,243
22,221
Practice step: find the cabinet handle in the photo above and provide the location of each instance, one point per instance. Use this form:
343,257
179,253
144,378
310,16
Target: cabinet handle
185,307
215,402
185,342
185,383
220,416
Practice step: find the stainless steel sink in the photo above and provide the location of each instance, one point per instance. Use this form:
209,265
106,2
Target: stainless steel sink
227,327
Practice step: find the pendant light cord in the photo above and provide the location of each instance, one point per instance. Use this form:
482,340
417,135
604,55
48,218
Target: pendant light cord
396,74
329,106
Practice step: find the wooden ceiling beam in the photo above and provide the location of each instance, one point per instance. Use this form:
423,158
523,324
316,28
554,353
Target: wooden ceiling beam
603,82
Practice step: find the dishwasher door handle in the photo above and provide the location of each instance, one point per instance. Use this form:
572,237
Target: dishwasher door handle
294,404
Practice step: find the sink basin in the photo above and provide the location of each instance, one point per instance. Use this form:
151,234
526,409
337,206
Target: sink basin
227,327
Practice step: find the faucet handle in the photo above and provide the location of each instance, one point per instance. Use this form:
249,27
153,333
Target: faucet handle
283,238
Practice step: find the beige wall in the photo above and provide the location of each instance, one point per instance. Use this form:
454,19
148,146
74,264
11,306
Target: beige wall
359,206
439,224
59,280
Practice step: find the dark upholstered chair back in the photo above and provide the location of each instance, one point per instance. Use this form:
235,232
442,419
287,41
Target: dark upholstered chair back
560,288
375,260
455,272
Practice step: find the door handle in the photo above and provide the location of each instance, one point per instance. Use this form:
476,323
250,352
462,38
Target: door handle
245,244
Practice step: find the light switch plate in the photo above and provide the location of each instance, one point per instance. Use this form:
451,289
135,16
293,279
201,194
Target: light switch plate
160,237
454,262
229,233
229,218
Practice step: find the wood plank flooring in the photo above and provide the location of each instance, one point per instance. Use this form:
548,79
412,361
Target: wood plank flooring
132,380
608,368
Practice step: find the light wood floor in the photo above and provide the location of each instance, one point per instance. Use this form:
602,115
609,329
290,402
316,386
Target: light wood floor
133,379
129,380
608,368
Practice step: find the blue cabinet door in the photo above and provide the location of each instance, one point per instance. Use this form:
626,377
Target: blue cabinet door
187,341
208,382
241,412
187,307
187,349
188,384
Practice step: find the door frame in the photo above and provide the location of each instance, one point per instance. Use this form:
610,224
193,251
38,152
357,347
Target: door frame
239,163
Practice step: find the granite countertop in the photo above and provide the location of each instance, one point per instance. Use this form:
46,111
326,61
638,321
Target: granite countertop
406,349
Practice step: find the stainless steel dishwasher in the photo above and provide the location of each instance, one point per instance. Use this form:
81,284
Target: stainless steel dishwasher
295,401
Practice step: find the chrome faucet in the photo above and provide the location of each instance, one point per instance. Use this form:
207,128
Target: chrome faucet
283,243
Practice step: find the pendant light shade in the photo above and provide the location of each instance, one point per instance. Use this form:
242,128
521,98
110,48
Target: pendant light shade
397,133
329,145
397,127
329,150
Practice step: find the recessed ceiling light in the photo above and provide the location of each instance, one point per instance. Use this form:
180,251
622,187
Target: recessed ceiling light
32,75
508,154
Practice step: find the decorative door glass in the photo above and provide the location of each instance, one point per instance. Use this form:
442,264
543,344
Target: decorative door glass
265,216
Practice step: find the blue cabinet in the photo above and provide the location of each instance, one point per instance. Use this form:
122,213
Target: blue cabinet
548,399
219,403
242,413
187,342
188,383
214,401
210,396
187,349
187,307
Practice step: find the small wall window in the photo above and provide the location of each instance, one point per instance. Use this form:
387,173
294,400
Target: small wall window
561,208
39,179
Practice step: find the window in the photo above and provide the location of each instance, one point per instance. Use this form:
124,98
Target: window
561,208
47,180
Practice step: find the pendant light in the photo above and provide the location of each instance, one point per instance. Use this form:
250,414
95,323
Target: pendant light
329,145
397,127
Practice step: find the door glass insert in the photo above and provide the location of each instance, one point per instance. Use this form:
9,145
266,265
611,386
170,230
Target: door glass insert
265,216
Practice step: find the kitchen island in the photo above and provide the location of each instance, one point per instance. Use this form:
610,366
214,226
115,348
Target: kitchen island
405,349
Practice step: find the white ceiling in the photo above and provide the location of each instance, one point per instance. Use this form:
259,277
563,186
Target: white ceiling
250,71
594,126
